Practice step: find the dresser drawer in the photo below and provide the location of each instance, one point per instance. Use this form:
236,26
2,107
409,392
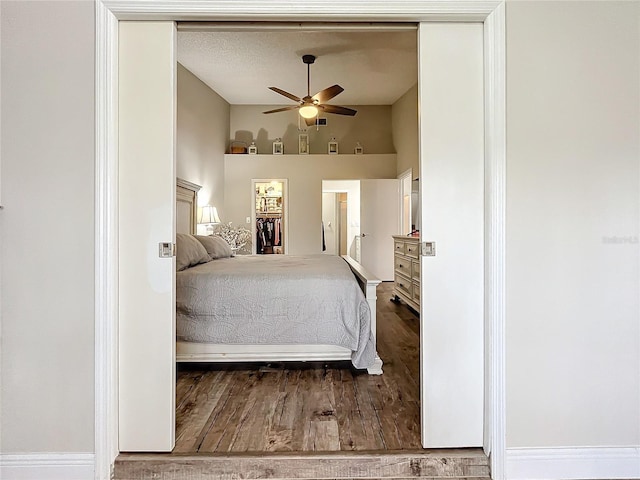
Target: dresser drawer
415,269
411,249
398,247
403,285
402,265
415,292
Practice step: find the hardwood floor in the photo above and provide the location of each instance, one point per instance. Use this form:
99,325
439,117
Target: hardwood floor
307,407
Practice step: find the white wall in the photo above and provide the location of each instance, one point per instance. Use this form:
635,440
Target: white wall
404,122
371,126
47,297
201,138
305,174
573,149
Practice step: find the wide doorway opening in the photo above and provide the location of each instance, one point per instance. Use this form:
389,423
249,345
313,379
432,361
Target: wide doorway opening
310,406
148,391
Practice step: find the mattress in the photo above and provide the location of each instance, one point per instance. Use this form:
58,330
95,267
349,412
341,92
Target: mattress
275,300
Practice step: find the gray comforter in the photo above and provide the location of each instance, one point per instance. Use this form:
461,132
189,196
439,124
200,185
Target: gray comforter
275,299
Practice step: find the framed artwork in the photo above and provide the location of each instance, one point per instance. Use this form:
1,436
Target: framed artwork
303,144
333,146
277,147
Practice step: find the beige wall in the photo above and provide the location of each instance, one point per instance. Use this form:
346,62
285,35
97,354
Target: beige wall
47,296
572,182
305,174
202,137
371,126
404,121
573,149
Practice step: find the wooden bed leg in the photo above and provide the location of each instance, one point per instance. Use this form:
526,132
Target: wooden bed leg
376,366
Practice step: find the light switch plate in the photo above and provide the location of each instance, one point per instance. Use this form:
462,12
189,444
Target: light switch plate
428,249
166,249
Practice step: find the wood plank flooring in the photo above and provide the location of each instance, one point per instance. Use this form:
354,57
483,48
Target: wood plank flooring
461,464
307,407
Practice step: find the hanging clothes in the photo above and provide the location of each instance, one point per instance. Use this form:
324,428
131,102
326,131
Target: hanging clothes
268,234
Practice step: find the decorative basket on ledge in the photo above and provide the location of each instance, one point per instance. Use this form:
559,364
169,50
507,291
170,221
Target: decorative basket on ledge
238,147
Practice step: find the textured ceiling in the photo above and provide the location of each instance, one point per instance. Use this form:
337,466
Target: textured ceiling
374,67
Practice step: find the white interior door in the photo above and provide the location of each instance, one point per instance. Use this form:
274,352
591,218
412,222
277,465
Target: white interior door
379,220
452,193
147,185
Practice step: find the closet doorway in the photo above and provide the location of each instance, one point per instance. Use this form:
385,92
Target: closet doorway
269,217
341,217
334,223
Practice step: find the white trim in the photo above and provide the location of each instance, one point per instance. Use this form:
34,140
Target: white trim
106,243
194,187
107,13
573,463
309,10
495,234
49,466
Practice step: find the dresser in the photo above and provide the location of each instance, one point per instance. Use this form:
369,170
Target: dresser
406,273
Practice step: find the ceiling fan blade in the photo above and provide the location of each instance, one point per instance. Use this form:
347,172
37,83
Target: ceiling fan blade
286,94
338,110
283,109
327,94
310,121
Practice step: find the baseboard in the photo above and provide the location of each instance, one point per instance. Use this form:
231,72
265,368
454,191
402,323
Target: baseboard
47,466
573,463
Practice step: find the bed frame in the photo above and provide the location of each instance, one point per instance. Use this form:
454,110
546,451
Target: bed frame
210,352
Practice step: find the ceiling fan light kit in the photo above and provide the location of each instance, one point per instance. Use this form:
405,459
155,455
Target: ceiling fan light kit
310,106
308,111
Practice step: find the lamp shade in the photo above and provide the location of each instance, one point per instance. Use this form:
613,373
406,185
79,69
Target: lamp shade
209,215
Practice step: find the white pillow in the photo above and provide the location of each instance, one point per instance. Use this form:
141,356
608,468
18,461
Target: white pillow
189,252
215,246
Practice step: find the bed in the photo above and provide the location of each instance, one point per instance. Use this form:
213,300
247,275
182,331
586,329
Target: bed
272,308
276,308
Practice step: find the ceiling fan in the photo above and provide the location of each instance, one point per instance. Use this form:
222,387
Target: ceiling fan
310,106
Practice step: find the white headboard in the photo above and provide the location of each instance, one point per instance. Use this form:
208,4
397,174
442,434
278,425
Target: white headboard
186,206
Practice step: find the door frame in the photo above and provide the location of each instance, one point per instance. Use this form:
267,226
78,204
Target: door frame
402,177
335,228
107,14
